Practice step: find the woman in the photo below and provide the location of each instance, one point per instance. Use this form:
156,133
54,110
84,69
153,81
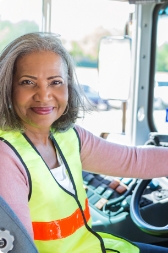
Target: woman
43,152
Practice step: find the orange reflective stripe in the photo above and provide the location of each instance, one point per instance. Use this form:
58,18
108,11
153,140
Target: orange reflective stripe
60,228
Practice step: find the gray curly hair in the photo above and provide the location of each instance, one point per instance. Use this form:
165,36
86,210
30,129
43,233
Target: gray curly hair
27,44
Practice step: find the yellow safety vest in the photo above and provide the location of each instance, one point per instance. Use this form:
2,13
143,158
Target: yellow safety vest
61,220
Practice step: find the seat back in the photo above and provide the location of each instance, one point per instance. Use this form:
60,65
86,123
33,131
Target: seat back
13,236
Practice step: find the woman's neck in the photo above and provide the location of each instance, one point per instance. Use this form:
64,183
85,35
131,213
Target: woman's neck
37,136
41,140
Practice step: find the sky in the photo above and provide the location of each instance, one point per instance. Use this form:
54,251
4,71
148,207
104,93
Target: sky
17,10
70,18
83,16
74,18
162,27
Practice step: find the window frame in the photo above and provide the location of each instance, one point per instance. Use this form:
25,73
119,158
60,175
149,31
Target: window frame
152,67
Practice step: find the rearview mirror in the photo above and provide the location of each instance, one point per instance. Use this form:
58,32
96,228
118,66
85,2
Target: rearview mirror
114,67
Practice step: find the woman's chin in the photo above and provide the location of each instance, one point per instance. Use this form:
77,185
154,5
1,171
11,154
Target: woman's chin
39,125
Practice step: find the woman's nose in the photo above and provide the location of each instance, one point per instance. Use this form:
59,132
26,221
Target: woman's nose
42,94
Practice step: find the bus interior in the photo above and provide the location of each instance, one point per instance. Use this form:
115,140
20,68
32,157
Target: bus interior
121,53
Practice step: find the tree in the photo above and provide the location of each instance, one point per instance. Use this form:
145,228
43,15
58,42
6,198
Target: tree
85,51
162,58
9,31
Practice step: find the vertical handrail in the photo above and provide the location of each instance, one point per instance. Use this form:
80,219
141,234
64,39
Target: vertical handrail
46,22
124,110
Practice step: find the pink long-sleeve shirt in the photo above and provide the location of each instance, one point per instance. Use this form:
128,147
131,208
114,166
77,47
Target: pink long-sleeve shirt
97,156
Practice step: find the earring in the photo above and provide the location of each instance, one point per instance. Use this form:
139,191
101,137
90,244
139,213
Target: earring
66,109
10,106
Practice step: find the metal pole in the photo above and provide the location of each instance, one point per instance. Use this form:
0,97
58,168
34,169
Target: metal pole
124,109
46,22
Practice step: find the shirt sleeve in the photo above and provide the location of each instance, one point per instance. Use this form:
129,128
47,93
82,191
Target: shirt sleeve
14,185
103,157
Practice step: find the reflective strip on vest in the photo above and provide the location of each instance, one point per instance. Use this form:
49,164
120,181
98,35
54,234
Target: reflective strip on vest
60,228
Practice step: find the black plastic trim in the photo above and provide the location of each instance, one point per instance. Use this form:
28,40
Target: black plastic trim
151,123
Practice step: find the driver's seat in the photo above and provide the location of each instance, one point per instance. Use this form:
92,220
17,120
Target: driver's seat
13,235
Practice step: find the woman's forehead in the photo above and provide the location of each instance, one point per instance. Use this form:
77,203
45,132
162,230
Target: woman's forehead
37,59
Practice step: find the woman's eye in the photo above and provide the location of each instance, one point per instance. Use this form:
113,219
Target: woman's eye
27,82
56,82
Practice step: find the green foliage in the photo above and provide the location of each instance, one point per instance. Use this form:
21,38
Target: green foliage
162,58
85,50
82,58
10,31
76,50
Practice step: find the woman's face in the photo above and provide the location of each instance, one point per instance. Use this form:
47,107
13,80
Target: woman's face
40,89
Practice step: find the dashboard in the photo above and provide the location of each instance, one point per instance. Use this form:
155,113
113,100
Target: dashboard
109,200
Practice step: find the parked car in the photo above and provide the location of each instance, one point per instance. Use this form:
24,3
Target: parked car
95,99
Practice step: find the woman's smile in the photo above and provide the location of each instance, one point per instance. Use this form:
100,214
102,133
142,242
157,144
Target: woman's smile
42,110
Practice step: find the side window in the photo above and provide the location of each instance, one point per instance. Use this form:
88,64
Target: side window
82,24
19,17
160,102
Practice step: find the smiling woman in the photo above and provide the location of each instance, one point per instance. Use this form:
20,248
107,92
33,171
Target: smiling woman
40,89
43,151
25,62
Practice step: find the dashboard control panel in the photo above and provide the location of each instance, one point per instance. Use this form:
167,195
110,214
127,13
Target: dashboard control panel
112,195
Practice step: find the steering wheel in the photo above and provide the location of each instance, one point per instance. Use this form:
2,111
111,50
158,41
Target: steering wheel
136,216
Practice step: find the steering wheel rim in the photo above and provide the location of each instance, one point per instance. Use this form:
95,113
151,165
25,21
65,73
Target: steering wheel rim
136,216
